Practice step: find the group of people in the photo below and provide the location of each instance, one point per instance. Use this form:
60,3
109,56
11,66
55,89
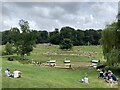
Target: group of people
108,76
15,74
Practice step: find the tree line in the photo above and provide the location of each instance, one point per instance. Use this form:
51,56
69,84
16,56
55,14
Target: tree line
24,39
77,37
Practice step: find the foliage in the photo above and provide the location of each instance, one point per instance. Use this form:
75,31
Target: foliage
27,41
24,26
113,57
23,41
8,49
66,44
92,36
55,37
42,37
110,43
108,39
78,37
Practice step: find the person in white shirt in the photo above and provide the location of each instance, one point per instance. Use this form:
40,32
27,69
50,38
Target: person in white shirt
86,79
16,74
7,73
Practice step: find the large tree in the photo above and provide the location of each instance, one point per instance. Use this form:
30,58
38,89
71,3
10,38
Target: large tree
110,42
42,37
25,40
79,37
54,37
68,32
92,36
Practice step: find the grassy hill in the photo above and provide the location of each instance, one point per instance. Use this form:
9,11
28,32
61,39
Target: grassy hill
47,77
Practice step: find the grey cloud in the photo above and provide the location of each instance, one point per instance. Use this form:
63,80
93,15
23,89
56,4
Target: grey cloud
49,15
119,10
0,15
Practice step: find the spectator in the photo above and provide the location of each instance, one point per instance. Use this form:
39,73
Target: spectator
109,75
101,74
105,74
7,73
114,77
86,79
16,74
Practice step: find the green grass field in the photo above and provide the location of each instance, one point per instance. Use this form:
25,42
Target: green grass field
47,77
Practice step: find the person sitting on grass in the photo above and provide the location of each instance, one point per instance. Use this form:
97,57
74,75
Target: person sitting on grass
85,80
114,77
109,77
105,75
17,74
7,73
109,74
101,74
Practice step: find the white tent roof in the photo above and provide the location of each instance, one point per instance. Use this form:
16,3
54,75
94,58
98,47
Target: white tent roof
66,61
95,61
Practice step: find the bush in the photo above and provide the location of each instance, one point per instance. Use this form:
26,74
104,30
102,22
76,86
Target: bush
8,49
10,58
66,44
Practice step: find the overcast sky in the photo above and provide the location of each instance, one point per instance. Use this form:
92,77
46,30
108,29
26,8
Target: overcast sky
51,15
